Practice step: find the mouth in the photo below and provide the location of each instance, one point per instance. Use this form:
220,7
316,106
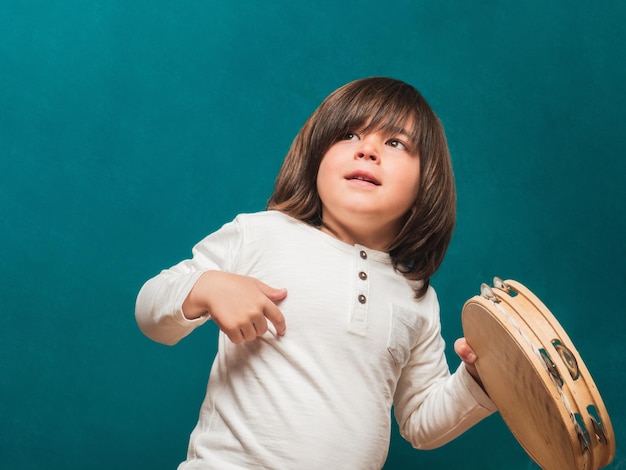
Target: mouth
363,176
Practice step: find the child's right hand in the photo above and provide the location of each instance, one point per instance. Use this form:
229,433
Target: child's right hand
239,305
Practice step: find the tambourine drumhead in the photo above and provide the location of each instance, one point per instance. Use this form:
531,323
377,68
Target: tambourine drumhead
534,375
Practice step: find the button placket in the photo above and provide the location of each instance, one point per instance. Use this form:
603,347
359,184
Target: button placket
362,288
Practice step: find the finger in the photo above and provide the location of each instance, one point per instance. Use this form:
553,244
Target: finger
248,332
235,336
260,326
274,315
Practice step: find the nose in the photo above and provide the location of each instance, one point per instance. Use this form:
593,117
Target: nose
368,149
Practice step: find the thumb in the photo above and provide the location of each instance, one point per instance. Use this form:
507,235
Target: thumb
275,295
468,356
464,351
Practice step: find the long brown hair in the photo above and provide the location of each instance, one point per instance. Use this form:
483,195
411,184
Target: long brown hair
381,104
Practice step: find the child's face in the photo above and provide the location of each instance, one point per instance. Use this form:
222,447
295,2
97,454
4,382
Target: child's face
367,184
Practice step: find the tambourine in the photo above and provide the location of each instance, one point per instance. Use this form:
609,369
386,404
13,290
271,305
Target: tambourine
534,375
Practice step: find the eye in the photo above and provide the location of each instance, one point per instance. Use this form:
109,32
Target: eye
351,136
398,144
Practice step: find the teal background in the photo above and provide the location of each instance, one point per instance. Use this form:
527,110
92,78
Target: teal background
131,129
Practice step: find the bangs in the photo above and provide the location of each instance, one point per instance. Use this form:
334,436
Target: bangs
388,108
393,122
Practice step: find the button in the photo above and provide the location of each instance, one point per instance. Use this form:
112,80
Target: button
363,276
362,299
363,254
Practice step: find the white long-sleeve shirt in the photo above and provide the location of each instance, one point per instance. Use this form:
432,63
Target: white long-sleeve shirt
357,342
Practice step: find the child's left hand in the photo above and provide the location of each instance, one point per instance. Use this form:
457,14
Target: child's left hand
468,356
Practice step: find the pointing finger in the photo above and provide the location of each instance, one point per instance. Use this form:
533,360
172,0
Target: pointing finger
274,315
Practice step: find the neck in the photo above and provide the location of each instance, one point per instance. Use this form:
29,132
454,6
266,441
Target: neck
377,240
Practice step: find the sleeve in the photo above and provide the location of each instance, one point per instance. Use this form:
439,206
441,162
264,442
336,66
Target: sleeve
433,406
158,309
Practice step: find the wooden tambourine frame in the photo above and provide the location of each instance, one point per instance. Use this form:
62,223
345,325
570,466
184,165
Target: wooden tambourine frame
536,378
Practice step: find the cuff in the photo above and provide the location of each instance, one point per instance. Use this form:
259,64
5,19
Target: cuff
475,390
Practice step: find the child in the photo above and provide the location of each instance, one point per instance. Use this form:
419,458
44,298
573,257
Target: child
326,314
